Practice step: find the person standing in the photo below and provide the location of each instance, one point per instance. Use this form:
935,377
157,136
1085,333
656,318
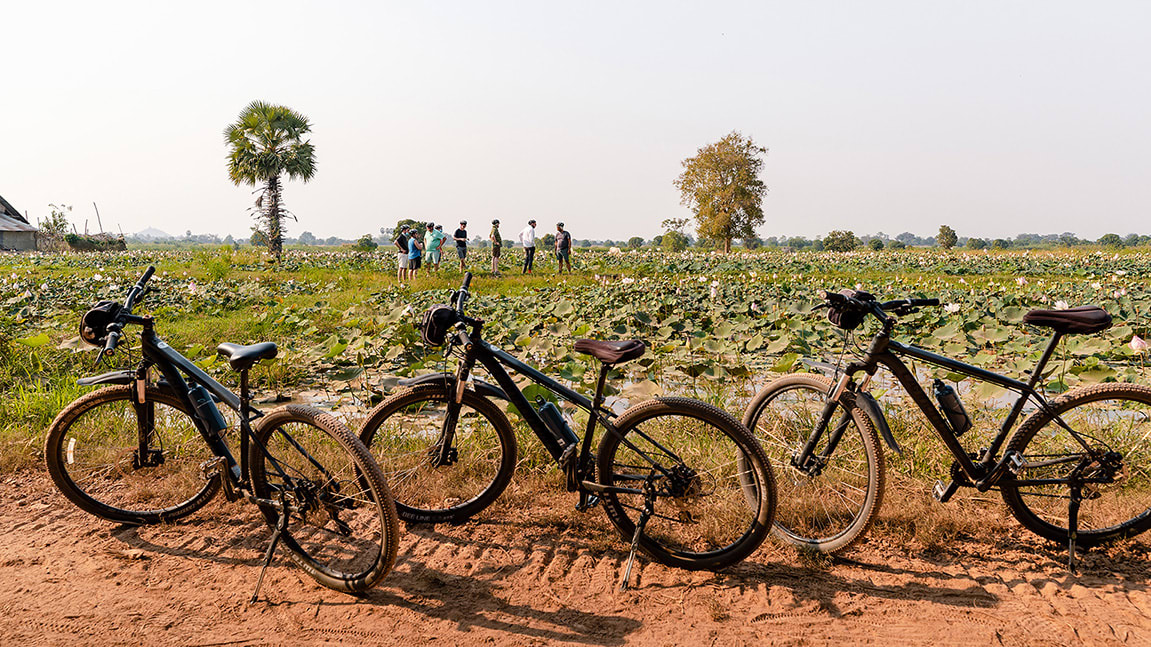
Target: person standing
441,238
432,246
528,240
415,245
461,238
401,244
497,242
563,247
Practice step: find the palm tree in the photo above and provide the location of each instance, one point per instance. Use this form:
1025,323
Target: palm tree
265,144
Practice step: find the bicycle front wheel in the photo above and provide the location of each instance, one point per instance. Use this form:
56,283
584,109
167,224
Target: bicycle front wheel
342,527
830,511
405,434
129,462
714,494
1115,421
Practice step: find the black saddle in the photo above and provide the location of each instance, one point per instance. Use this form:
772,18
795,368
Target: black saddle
611,352
1083,319
241,358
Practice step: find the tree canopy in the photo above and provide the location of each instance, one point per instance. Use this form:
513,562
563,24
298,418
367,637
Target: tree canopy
721,186
946,237
266,142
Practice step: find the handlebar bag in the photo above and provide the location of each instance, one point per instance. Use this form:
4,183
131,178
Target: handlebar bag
845,316
94,323
438,320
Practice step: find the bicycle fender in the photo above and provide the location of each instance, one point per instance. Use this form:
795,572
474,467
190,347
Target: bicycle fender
871,408
483,388
127,376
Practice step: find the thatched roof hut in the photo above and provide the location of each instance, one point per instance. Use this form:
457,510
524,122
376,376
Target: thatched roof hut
15,231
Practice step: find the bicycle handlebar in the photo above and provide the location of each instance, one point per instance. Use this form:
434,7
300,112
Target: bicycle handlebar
462,293
116,327
867,303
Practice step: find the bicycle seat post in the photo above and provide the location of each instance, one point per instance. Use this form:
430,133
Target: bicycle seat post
599,387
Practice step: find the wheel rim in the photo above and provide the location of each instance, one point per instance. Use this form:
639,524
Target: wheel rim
702,509
335,523
99,451
813,509
406,445
1119,424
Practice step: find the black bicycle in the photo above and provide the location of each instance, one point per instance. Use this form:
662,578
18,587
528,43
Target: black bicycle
1078,469
138,452
683,480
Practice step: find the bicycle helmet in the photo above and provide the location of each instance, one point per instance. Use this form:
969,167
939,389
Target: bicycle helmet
94,323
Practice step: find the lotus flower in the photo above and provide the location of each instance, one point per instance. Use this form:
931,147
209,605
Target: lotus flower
951,308
1062,305
1137,344
1021,280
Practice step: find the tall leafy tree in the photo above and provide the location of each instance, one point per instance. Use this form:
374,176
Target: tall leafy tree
946,238
721,185
265,143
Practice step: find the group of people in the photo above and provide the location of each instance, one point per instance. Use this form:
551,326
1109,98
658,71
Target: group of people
415,251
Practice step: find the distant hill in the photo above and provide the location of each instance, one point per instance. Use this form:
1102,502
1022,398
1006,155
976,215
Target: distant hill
151,233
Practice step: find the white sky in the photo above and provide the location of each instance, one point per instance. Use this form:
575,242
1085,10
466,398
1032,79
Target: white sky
994,117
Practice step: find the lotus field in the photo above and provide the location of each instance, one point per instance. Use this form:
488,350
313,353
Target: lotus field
717,326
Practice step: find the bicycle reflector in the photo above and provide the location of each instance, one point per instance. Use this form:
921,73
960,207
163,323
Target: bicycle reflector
438,320
94,323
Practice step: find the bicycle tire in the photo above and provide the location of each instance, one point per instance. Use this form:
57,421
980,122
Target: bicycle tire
90,450
1124,426
349,495
824,513
402,430
724,527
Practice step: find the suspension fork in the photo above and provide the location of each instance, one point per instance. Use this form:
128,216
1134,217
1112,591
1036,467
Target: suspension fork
145,409
445,452
806,460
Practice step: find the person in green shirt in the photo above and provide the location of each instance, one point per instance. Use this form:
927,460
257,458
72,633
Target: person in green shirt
497,243
432,240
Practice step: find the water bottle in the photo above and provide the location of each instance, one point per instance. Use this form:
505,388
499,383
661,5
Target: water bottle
952,407
202,401
561,436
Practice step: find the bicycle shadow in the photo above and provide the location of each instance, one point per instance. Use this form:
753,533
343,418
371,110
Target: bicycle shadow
199,539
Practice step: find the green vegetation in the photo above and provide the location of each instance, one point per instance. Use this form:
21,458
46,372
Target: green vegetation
717,324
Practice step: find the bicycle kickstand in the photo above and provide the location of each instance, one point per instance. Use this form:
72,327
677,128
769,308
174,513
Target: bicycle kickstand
1073,525
639,526
281,527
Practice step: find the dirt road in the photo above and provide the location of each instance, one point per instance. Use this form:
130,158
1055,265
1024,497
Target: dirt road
532,572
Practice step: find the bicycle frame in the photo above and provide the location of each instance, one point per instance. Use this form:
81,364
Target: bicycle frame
984,472
494,360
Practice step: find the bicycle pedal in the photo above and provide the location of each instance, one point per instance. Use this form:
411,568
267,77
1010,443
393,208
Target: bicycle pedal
1015,463
943,493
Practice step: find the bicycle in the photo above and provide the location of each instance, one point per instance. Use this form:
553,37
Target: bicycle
137,452
666,469
1058,464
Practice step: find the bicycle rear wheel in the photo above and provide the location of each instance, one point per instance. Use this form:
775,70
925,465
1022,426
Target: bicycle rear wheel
342,527
94,458
832,510
1113,418
715,494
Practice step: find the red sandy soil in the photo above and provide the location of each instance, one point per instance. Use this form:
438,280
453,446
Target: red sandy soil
529,572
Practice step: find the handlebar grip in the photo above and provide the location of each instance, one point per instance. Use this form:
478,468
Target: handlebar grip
110,345
924,302
147,275
467,280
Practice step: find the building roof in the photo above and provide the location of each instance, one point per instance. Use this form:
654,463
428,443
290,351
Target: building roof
8,223
7,209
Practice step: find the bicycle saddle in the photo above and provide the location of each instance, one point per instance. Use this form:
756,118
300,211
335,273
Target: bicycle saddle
241,358
611,352
1083,319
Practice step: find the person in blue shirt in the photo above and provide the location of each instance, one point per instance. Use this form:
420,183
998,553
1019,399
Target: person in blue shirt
415,245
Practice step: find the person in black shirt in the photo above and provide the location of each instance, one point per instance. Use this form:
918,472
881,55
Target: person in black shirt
461,238
402,255
563,247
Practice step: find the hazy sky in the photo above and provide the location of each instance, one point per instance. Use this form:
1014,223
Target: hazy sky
994,117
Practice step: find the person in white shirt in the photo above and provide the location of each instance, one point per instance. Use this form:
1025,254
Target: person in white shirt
528,240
